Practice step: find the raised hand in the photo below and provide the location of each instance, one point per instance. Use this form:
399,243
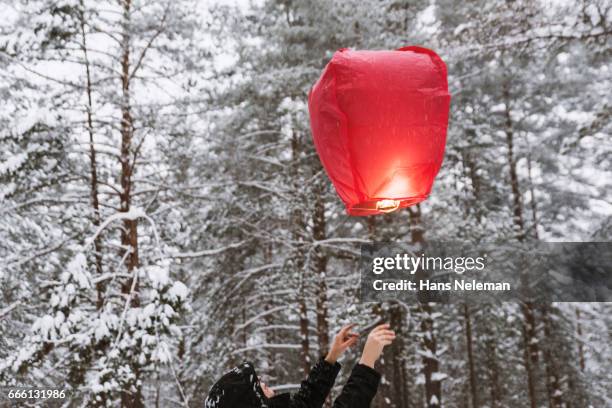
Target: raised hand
378,338
344,339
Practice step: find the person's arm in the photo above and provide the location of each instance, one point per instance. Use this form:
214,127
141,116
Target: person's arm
315,389
361,387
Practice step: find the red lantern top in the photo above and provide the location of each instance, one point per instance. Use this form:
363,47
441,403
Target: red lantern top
378,121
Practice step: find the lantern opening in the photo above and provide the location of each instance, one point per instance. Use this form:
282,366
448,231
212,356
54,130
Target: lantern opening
387,206
383,205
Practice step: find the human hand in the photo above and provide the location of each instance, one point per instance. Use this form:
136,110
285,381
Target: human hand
268,392
342,341
378,338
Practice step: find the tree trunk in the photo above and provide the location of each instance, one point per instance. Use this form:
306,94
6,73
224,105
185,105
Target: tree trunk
492,368
320,269
320,272
383,396
299,227
304,342
530,341
553,383
534,207
517,206
527,356
433,386
579,335
129,232
470,355
417,234
93,166
371,222
472,172
396,319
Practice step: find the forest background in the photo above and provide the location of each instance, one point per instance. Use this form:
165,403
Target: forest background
163,213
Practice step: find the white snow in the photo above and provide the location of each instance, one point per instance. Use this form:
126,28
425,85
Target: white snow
77,271
500,107
158,275
462,27
33,117
162,353
178,291
438,376
133,214
13,162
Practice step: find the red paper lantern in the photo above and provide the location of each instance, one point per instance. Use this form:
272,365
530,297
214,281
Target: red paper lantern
378,121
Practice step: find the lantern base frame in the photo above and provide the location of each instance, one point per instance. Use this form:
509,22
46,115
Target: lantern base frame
370,207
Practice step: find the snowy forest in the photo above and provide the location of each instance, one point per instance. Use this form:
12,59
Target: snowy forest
164,215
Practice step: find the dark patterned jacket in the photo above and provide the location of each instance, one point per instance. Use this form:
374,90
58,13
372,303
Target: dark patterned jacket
240,389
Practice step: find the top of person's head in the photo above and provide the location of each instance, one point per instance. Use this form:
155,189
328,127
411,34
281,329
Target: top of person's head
240,388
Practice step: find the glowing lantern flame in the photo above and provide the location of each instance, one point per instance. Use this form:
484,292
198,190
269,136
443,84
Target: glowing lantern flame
387,206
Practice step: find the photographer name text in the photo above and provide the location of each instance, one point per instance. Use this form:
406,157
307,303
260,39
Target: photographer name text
427,285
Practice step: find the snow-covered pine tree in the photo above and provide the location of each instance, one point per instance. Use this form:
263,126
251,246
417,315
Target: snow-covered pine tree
104,313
